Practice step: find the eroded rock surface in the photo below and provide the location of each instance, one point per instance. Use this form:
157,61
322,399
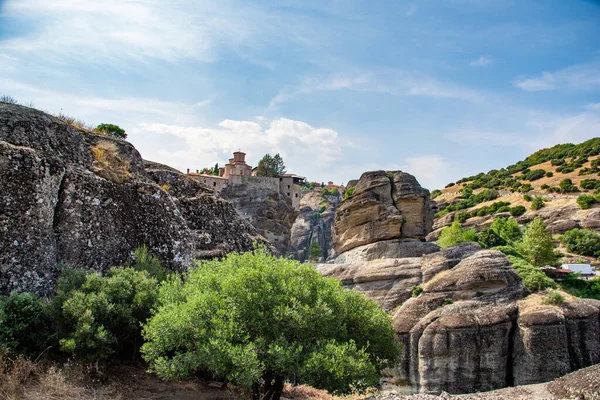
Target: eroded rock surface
384,205
86,200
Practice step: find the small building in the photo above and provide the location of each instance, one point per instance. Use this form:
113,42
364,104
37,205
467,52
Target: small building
291,186
585,271
558,274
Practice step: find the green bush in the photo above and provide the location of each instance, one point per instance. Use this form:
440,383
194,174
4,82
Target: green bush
585,242
348,192
435,193
585,201
545,186
487,238
554,298
508,229
517,211
100,317
253,318
462,216
549,174
526,188
416,290
537,246
455,234
25,324
534,175
577,287
145,261
537,203
111,130
566,186
527,197
533,278
590,184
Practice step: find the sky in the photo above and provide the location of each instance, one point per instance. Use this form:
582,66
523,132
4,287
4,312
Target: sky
441,89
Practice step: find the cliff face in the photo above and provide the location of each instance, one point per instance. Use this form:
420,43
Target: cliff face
69,196
313,225
384,205
270,212
473,326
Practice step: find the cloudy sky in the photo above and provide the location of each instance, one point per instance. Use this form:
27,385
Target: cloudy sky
437,88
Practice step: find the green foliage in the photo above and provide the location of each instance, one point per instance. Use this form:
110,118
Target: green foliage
488,238
145,261
534,175
533,278
253,316
471,200
554,298
101,316
566,186
526,188
416,290
537,203
537,246
322,209
111,130
585,201
435,193
349,191
508,229
25,325
448,301
585,242
462,216
315,251
455,234
577,287
527,197
590,184
310,186
270,166
449,185
517,211
549,174
330,192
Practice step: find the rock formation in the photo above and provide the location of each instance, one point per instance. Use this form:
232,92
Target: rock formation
270,212
71,196
313,225
384,205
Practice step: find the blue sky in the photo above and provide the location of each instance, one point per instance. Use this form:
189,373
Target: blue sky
437,88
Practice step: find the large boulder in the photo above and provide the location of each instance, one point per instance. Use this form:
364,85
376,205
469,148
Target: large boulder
71,196
384,205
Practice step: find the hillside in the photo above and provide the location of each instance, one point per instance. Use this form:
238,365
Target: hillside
548,184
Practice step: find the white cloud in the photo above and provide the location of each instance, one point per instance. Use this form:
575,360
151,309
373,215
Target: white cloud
394,82
482,61
304,148
584,76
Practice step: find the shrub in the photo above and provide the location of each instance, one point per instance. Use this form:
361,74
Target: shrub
517,211
145,261
448,301
585,201
590,184
526,188
575,286
315,251
566,186
504,209
25,324
109,164
455,234
416,290
348,192
553,298
533,278
537,203
534,175
111,130
527,197
488,238
537,246
545,186
101,316
508,229
435,193
449,185
253,317
582,241
462,216
549,174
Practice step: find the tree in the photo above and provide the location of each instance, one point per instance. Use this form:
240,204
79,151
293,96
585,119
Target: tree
585,201
111,130
582,241
507,229
537,246
537,203
455,234
488,238
256,321
315,251
270,166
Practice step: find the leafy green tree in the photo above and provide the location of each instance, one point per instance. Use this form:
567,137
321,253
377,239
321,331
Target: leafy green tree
101,316
582,241
455,234
508,229
252,318
585,201
537,203
270,166
25,324
436,193
488,238
537,246
111,130
315,251
517,211
533,278
145,261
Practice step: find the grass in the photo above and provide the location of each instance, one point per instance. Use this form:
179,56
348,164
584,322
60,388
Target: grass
76,123
109,164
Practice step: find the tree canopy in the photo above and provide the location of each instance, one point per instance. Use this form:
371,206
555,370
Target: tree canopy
253,318
111,130
537,246
455,234
270,166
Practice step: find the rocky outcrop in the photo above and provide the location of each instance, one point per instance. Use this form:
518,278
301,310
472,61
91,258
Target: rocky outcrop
314,224
384,205
71,196
270,212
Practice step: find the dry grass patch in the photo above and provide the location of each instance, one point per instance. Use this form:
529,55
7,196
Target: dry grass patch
109,164
545,299
75,122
